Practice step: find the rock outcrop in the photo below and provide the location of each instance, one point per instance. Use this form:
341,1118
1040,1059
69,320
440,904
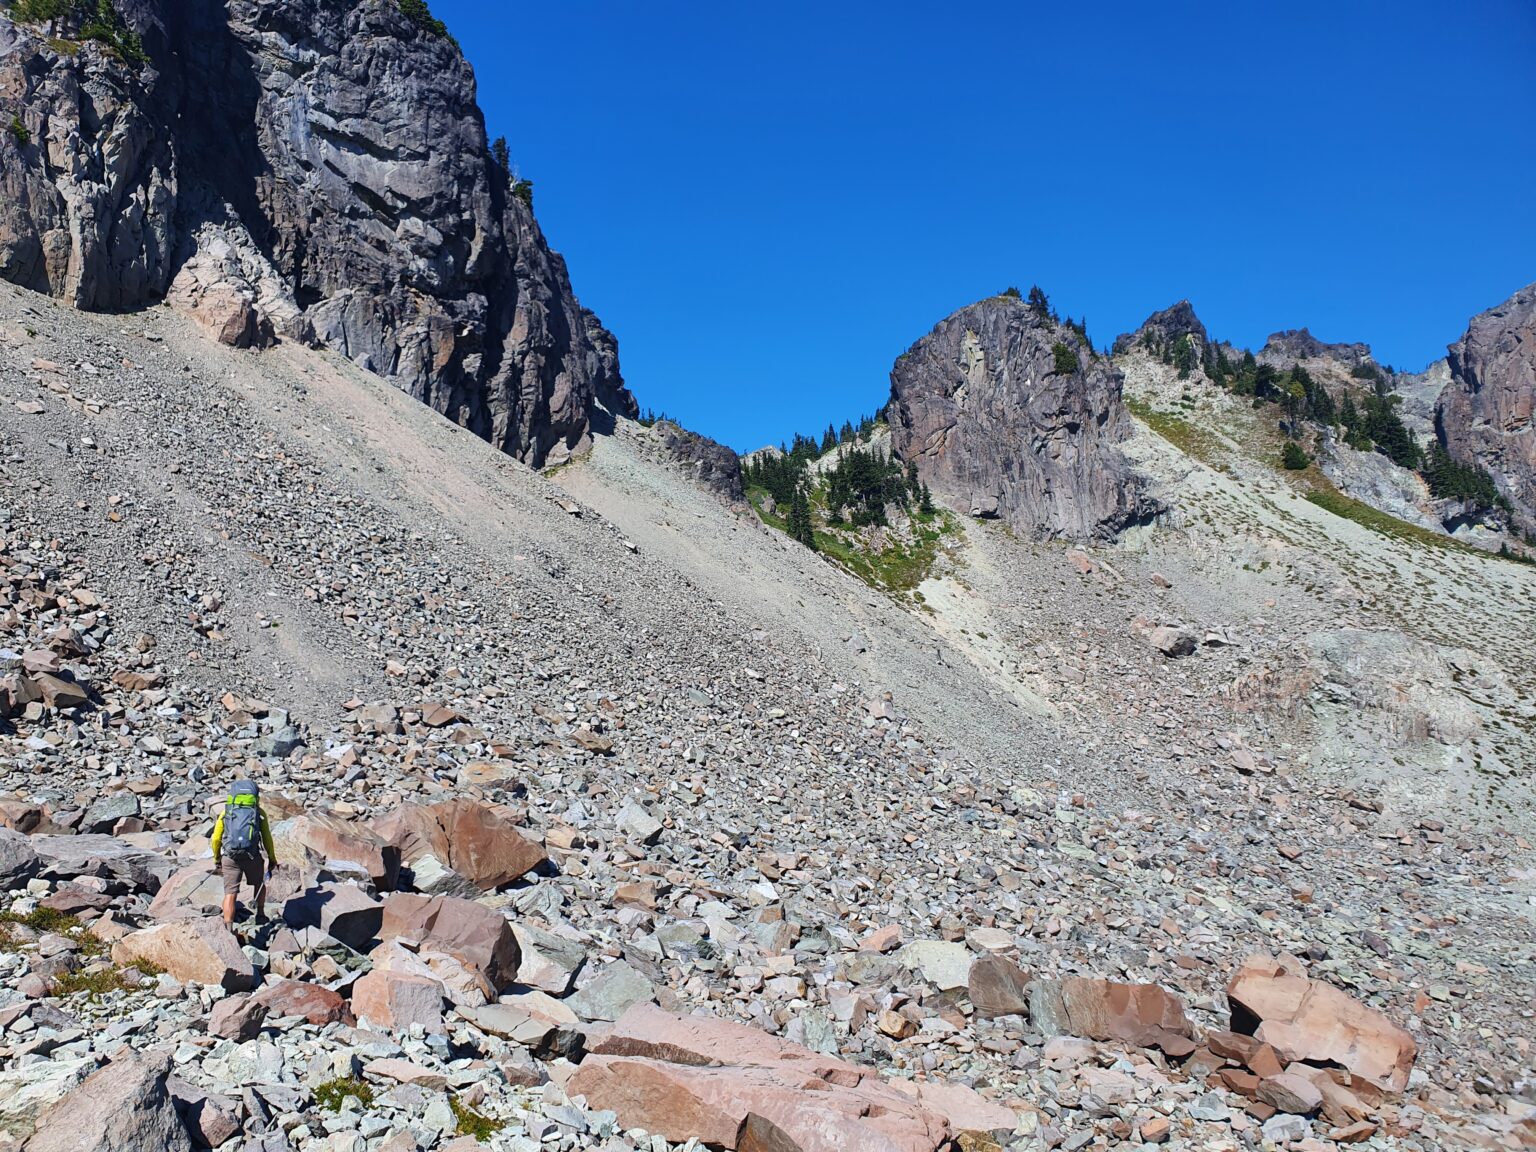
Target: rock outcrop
310,168
1002,424
709,463
1164,328
1297,345
1487,414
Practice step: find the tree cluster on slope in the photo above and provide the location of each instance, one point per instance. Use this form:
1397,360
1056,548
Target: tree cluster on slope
420,14
1370,423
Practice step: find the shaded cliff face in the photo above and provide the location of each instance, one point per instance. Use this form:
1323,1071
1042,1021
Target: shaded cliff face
998,428
315,168
1486,415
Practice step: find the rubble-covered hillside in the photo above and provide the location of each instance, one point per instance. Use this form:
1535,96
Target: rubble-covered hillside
609,817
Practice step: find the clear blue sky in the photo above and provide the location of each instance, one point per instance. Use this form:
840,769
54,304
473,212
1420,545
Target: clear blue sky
767,203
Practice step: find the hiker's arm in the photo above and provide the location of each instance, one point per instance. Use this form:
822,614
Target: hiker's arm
218,837
266,840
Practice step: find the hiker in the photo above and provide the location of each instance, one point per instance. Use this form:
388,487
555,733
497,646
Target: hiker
238,838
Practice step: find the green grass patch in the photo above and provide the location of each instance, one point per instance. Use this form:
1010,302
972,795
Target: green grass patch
1346,507
898,568
476,1125
1203,445
43,920
96,983
332,1093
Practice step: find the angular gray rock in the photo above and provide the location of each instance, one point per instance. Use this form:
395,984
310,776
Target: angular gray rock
309,168
124,1107
1487,414
18,861
995,424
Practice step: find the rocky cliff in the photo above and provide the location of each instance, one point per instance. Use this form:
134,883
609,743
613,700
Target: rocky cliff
1008,413
1486,415
1296,346
1163,329
312,168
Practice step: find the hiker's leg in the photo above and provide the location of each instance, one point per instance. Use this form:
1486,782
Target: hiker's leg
229,872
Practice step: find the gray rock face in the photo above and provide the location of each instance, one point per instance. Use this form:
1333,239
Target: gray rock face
1165,328
312,168
1283,349
994,427
712,464
1487,414
1419,394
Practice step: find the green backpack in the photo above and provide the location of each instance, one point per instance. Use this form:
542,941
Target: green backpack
242,817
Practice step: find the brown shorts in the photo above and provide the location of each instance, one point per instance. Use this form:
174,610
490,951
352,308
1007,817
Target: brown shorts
235,866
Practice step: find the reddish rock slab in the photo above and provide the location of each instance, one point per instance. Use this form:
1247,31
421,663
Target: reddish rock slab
647,1031
480,938
203,950
1142,1014
717,1104
396,1000
998,987
1316,1022
965,1108
338,842
473,839
123,1106
312,1003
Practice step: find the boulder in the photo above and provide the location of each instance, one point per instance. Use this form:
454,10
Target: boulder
1317,1022
212,1119
635,822
1142,1014
124,1107
344,845
611,992
737,1087
343,912
202,950
311,1003
108,857
19,861
106,811
965,1108
478,937
549,962
237,1018
1289,1092
397,1000
27,1090
998,987
191,893
945,964
57,691
786,1108
475,840
21,815
1173,642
